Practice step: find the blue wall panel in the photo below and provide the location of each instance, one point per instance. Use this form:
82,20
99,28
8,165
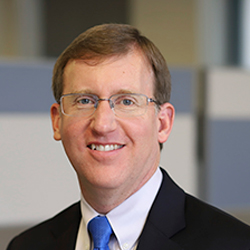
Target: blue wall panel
229,162
26,87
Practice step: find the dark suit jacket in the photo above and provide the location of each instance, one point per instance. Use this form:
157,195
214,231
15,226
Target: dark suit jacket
176,221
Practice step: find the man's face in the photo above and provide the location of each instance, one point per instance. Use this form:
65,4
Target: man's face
135,160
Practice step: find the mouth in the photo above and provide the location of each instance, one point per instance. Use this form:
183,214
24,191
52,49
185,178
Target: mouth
105,148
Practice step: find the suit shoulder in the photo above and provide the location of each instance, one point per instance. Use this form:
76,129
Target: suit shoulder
209,224
44,233
208,213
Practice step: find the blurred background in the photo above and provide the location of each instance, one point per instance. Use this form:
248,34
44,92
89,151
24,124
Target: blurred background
207,47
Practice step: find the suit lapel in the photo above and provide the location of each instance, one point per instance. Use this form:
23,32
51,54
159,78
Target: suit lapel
153,238
67,240
165,218
65,228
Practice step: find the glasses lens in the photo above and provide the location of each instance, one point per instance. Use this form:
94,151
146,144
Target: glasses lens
78,104
129,104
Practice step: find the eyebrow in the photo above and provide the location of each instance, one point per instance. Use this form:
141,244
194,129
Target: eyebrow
85,91
89,91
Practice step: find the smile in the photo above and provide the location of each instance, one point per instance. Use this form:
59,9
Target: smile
106,148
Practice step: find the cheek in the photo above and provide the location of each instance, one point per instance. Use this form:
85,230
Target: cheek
73,142
68,131
72,133
144,132
72,127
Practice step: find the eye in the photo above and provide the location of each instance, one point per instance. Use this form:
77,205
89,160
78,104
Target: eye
85,100
127,101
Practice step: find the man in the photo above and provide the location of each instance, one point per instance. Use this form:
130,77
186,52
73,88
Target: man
112,88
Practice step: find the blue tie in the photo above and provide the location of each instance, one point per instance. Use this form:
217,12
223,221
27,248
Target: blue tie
100,230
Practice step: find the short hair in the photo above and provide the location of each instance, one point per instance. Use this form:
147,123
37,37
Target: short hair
107,40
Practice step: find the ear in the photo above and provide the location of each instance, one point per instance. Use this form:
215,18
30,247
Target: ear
55,115
166,120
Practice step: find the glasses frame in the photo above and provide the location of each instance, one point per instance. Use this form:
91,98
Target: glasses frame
111,103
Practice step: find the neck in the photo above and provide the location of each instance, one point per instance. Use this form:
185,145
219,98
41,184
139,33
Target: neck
103,200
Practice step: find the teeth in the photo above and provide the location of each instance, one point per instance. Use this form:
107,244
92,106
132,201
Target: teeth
105,148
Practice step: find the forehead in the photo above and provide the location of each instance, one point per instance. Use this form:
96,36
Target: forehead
131,71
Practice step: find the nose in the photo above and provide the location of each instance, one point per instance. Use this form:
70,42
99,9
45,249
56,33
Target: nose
104,118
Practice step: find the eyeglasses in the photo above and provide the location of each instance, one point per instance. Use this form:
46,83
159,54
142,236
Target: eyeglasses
123,105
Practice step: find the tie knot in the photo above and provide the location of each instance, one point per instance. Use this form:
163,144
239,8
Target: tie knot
100,230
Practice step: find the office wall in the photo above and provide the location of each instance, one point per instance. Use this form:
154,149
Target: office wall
51,25
227,140
64,20
171,25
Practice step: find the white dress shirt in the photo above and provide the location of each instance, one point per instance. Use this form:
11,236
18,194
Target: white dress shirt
127,220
